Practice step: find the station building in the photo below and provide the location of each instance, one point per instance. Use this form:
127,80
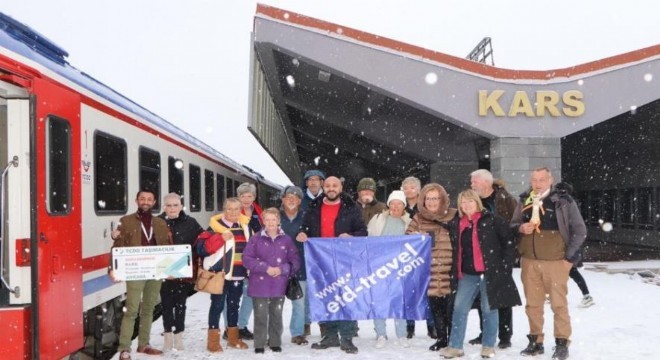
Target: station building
354,104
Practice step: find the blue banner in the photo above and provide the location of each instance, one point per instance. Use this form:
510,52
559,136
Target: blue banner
376,277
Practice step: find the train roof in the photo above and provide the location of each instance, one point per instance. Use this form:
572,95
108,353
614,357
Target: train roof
30,44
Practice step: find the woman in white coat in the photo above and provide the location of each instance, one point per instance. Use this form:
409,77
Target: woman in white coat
393,221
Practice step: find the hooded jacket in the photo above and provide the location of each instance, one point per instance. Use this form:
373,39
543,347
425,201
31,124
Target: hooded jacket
442,281
572,228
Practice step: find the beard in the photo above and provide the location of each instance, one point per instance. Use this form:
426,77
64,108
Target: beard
366,199
332,196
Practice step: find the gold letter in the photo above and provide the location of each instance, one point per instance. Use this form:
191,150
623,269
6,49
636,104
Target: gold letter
490,102
574,105
546,99
521,104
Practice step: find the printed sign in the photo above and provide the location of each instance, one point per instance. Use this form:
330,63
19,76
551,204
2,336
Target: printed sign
377,277
152,262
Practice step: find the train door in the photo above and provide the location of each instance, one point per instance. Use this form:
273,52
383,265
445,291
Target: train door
15,222
56,195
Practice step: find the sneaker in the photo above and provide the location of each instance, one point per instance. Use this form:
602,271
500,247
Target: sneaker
487,352
561,349
533,348
348,347
326,342
299,340
475,341
245,334
381,341
587,301
450,353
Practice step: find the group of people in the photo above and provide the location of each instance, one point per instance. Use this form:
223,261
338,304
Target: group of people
475,247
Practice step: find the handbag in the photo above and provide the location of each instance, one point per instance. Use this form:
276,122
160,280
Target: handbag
210,282
293,289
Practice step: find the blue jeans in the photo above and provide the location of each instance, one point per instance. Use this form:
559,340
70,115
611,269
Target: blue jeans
232,294
299,313
399,328
467,291
246,307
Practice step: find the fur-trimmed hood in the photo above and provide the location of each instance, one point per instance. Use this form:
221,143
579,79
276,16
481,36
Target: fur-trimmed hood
445,213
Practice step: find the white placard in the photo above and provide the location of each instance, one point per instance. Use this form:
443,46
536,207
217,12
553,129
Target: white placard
152,262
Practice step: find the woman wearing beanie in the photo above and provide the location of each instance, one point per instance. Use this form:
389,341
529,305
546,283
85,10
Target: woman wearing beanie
394,221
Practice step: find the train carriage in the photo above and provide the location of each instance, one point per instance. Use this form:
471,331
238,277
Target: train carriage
73,153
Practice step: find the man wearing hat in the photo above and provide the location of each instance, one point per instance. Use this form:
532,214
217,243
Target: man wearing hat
366,191
291,218
313,187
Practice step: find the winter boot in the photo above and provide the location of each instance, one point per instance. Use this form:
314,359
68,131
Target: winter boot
439,344
322,329
213,341
561,349
533,348
476,341
410,330
245,334
233,340
178,341
487,352
168,340
326,342
347,346
450,353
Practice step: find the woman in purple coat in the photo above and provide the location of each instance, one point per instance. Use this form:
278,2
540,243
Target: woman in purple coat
271,257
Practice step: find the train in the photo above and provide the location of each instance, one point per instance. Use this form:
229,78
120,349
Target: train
73,154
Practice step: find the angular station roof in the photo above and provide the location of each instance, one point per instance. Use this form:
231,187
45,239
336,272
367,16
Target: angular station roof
358,104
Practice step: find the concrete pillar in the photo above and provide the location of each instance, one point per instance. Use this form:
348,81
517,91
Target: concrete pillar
512,160
453,176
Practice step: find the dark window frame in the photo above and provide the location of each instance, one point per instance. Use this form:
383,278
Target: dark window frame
108,136
220,190
63,181
142,167
171,160
209,190
195,188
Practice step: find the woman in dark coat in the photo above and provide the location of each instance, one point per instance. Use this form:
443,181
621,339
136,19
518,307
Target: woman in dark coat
174,293
483,251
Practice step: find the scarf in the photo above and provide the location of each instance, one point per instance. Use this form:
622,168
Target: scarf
463,224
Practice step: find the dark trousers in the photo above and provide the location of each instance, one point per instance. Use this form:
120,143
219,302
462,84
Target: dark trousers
506,320
579,280
442,309
345,328
268,326
232,293
173,296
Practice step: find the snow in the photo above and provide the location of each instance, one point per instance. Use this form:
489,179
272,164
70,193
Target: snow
624,323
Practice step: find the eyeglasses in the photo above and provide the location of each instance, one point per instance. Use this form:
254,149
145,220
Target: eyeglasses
432,199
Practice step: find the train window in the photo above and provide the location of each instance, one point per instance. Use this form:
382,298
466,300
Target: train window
220,187
110,172
645,206
231,190
195,188
209,190
59,166
175,176
627,208
150,173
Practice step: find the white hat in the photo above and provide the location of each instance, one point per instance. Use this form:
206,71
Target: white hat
397,195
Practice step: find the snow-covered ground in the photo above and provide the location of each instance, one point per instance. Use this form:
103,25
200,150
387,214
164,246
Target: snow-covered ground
623,324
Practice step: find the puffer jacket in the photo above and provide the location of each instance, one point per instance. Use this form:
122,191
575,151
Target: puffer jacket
436,224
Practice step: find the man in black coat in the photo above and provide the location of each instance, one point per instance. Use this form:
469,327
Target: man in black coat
334,215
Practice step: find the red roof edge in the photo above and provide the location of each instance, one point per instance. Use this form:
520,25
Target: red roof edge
453,61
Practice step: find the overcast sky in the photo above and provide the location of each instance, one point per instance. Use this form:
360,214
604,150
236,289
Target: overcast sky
188,60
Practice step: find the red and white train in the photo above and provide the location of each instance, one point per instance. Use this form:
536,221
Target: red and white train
73,153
